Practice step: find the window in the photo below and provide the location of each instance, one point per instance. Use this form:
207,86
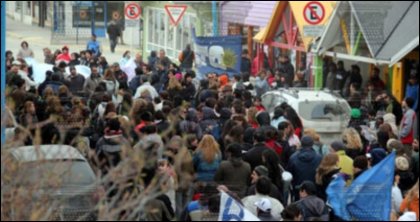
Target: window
163,35
322,111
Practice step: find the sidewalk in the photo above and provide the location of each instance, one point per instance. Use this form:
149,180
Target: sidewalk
39,38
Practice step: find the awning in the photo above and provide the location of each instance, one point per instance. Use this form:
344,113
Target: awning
387,30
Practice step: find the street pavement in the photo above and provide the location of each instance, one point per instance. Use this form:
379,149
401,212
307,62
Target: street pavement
40,38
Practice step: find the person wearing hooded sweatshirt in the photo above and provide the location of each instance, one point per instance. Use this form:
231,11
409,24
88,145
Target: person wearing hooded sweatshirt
209,124
190,124
109,148
311,206
303,164
234,173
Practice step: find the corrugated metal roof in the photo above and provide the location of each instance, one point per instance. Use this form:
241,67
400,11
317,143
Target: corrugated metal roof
390,29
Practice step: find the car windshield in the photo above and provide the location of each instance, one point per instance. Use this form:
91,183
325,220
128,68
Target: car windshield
322,111
53,174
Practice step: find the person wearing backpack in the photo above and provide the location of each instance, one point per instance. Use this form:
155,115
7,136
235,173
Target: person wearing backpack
186,58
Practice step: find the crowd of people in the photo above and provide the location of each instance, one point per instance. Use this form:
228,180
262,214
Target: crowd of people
216,134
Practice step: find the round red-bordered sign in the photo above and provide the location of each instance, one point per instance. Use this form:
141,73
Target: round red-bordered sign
132,11
314,13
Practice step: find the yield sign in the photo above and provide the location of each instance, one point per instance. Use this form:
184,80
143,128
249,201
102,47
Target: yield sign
175,12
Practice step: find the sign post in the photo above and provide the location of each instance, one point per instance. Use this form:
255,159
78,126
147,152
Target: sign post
132,13
175,13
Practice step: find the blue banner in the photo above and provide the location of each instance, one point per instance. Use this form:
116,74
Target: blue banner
220,55
369,196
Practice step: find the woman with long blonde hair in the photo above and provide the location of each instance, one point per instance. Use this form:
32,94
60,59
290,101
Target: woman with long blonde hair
207,158
353,142
411,201
325,173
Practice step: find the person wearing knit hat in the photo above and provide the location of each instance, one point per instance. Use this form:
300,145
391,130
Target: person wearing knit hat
345,162
377,155
259,172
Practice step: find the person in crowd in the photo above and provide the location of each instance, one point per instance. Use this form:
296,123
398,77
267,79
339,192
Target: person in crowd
303,164
325,174
207,159
163,59
187,58
48,56
263,187
287,71
254,156
292,213
375,78
354,78
411,201
360,165
245,62
125,58
75,81
64,56
345,163
262,171
412,89
407,127
109,148
25,51
264,210
92,82
310,205
353,142
234,172
94,46
113,31
319,147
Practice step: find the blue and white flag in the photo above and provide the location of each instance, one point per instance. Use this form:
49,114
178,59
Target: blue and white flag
231,210
369,196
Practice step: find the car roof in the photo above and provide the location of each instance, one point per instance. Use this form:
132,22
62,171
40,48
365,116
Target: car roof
307,94
46,152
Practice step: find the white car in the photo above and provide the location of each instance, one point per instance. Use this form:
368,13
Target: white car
326,112
57,176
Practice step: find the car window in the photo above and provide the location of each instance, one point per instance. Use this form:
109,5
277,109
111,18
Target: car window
323,111
271,101
51,174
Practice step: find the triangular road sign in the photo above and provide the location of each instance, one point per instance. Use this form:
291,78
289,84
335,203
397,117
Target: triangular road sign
175,12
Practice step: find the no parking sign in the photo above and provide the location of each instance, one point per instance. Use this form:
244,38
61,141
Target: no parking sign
314,13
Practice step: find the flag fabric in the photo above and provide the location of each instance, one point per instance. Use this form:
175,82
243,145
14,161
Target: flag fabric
369,196
231,210
130,69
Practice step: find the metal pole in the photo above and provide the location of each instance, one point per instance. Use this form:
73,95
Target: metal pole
93,17
215,18
77,22
3,73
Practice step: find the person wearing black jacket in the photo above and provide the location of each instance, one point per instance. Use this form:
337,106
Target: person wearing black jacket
254,156
245,62
113,31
